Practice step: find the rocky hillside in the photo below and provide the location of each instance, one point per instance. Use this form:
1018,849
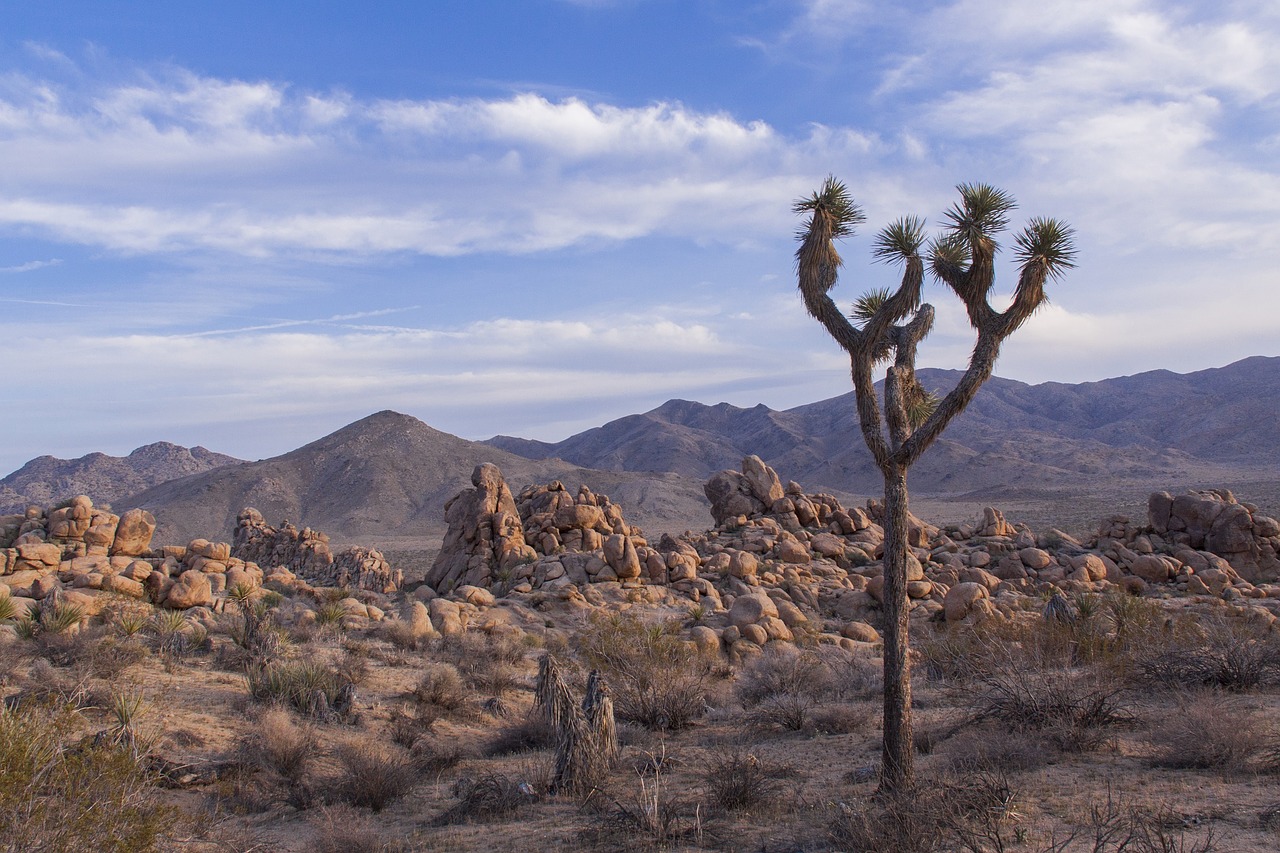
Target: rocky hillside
49,480
1149,427
385,478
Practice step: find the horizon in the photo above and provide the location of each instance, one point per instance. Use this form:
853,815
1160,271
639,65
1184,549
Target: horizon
308,440
242,227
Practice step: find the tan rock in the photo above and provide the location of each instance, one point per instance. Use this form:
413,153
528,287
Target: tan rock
133,533
961,598
751,608
191,589
860,632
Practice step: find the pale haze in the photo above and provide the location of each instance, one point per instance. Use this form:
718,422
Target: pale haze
245,225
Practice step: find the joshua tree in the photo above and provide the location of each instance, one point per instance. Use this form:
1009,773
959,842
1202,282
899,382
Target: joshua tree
888,326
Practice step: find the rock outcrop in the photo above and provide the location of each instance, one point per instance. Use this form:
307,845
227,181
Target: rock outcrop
306,553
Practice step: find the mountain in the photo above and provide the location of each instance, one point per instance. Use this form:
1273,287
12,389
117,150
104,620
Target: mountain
1151,426
384,480
47,480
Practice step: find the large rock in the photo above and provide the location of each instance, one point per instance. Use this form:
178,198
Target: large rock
133,533
191,589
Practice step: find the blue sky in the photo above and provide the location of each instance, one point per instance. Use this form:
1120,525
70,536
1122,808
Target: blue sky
244,225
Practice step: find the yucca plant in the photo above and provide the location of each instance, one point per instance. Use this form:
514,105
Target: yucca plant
241,593
26,628
61,618
130,623
8,610
331,613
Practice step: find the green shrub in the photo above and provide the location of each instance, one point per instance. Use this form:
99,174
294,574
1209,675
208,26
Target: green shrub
659,681
92,797
307,686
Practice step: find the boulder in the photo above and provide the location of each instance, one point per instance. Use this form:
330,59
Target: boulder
191,589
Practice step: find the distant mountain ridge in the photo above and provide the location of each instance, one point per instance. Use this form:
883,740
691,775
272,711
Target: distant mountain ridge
383,478
1143,426
47,480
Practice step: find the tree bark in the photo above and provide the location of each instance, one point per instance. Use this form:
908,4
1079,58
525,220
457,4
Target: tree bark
898,753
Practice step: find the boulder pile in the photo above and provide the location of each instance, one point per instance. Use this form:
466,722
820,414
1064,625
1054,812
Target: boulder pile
306,553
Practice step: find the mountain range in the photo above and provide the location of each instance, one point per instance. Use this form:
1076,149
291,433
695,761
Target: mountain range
384,479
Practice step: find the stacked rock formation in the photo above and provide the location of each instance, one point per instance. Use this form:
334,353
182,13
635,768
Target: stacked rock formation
306,553
41,538
547,535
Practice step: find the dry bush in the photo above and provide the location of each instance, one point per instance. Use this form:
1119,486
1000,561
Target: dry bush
1117,826
487,662
740,781
528,735
342,829
309,687
53,798
659,681
284,750
1074,708
997,750
1208,731
976,814
400,634
786,687
90,651
433,755
653,818
442,689
372,776
1224,654
488,798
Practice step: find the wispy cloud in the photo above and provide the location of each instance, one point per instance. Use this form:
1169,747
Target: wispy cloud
31,266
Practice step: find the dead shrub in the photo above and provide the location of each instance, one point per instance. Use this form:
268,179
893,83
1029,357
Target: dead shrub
433,755
372,776
309,687
740,781
342,829
659,681
1208,731
488,662
533,733
285,751
1223,654
1071,707
985,749
974,814
487,798
651,817
1118,826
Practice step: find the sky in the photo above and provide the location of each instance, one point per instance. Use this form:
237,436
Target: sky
244,225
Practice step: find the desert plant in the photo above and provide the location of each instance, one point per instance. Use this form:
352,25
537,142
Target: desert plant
127,707
8,610
1209,731
491,796
1224,654
586,736
740,781
441,687
330,614
373,777
655,818
532,733
129,622
285,751
93,797
1074,708
62,617
307,686
659,681
963,258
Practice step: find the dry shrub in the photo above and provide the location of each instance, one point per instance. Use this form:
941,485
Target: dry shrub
740,781
653,818
442,688
533,733
433,755
1225,654
997,750
659,681
786,687
373,776
1208,731
487,798
1072,707
974,814
489,662
400,634
309,687
342,829
1117,826
283,750
90,651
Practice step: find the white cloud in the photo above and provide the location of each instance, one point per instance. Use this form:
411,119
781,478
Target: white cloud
31,266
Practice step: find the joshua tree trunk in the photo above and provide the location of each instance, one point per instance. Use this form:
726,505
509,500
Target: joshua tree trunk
962,258
898,749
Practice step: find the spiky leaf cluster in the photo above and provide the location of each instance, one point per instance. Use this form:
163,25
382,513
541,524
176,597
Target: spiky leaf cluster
834,203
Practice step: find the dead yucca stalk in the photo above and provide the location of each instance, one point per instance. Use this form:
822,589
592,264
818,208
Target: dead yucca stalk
586,736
